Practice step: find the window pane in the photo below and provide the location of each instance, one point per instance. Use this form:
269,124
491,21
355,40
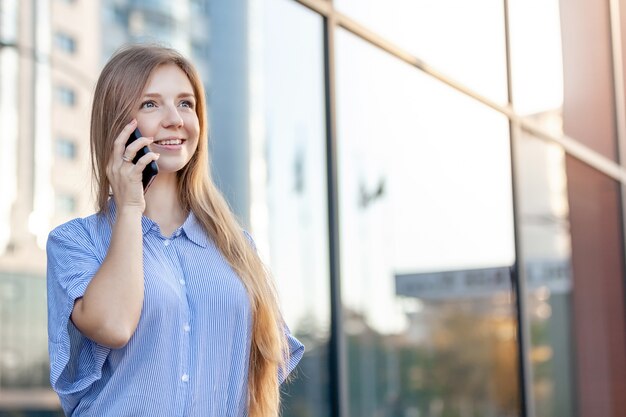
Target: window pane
463,39
544,224
65,42
66,96
24,368
536,60
65,204
596,218
66,148
23,336
289,179
425,196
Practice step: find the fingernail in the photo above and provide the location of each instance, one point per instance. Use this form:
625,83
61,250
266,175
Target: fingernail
132,122
158,155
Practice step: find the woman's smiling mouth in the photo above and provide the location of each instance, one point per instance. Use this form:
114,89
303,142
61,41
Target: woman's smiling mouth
169,143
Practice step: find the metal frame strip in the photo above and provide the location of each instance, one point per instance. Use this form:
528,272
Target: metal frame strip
524,341
571,146
619,102
337,350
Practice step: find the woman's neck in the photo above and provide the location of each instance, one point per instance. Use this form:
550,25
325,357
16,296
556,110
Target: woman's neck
162,204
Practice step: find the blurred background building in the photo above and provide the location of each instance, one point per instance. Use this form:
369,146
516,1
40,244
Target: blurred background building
437,188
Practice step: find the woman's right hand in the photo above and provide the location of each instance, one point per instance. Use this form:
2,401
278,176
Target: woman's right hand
109,311
124,176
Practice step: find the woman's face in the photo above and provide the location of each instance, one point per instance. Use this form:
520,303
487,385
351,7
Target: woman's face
167,113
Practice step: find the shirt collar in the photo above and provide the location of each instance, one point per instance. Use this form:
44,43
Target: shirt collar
192,227
195,231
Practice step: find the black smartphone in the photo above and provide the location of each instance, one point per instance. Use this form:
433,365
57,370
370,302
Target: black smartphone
151,169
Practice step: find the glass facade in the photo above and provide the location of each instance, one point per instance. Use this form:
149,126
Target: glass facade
463,40
544,225
420,196
23,331
545,229
66,96
24,367
65,42
435,186
65,148
8,118
289,202
536,60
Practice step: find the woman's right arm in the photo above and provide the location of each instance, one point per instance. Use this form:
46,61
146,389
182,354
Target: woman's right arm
109,311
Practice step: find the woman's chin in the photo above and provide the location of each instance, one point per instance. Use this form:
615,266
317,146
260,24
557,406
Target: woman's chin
170,168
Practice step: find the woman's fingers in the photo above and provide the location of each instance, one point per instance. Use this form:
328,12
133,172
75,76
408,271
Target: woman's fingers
131,150
120,142
145,160
134,172
125,177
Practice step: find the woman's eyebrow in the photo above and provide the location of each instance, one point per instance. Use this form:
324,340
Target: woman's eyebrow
156,95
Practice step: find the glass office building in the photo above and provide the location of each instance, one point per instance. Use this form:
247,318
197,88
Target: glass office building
468,260
437,188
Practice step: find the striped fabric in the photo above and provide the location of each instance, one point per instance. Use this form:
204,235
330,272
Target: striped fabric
189,355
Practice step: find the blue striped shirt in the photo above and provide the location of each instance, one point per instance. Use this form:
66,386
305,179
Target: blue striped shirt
189,355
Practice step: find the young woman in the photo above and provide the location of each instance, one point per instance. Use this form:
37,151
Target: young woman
159,304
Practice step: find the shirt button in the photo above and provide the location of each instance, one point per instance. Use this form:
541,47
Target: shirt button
166,242
182,281
184,378
187,327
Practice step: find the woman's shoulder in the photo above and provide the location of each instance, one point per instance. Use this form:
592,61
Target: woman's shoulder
79,223
81,228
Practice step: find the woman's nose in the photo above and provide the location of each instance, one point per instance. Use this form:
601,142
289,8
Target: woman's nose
172,117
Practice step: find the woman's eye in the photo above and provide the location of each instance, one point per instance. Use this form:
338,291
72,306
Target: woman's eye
186,103
148,104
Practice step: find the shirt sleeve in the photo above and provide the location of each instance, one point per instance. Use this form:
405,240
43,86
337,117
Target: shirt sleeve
296,351
250,240
75,361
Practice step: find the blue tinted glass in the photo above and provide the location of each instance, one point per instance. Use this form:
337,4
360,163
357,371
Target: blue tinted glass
23,334
66,96
427,242
66,148
546,241
291,144
163,6
65,204
65,42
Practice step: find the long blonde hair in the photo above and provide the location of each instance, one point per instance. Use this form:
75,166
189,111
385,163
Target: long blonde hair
117,95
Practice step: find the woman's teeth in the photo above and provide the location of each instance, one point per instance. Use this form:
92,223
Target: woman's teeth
169,142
